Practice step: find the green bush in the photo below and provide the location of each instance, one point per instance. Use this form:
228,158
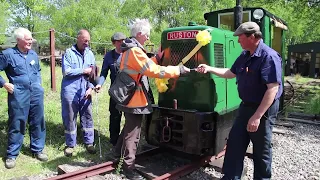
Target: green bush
314,106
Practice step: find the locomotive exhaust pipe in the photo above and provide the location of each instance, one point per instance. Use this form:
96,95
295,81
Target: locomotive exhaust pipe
237,14
175,104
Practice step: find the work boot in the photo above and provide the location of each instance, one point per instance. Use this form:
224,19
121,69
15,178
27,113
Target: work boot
132,174
41,156
10,163
68,151
90,148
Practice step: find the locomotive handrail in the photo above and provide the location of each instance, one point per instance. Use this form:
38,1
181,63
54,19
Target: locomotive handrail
230,46
166,138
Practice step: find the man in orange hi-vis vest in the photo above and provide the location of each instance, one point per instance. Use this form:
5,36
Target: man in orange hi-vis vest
135,62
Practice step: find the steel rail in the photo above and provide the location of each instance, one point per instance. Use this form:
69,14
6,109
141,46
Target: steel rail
87,172
100,168
188,168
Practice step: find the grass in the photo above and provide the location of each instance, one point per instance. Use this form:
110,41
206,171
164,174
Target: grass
55,141
313,99
314,106
301,80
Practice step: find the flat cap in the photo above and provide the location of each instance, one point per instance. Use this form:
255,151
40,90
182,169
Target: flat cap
118,36
248,28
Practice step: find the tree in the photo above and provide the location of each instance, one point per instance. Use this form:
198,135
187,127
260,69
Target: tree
100,17
166,13
104,17
3,20
34,15
27,13
300,15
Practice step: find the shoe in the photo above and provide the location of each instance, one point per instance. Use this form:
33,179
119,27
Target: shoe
90,148
41,156
68,151
10,163
132,174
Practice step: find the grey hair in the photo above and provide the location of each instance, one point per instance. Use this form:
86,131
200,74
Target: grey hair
81,31
21,32
257,35
139,25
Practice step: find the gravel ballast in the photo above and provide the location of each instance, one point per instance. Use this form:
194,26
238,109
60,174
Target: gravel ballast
296,156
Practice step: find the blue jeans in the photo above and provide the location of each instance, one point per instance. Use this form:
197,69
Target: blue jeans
239,139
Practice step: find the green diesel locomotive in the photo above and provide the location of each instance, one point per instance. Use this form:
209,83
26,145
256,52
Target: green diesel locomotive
196,113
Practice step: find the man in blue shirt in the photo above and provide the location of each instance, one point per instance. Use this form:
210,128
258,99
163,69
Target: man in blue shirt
258,73
110,63
76,91
25,97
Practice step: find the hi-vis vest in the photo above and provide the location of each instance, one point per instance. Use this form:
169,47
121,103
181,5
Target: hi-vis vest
136,63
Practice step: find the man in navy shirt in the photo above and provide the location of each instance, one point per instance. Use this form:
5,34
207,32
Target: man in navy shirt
25,97
259,77
110,63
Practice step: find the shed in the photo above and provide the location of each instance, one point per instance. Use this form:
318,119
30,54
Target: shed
304,59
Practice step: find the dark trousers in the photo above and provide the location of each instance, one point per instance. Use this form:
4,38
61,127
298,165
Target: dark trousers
114,124
129,139
239,139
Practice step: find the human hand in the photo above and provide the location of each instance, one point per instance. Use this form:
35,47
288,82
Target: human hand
183,69
253,124
87,70
97,88
88,93
9,87
203,68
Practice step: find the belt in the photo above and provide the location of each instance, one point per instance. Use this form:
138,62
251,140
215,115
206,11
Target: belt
250,104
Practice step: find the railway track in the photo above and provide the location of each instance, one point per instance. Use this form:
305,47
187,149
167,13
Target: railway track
298,94
193,163
297,98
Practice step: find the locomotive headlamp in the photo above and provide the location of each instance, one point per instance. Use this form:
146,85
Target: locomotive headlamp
258,14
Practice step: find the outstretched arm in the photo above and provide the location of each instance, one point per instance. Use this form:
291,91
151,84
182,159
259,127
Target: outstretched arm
146,66
221,72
